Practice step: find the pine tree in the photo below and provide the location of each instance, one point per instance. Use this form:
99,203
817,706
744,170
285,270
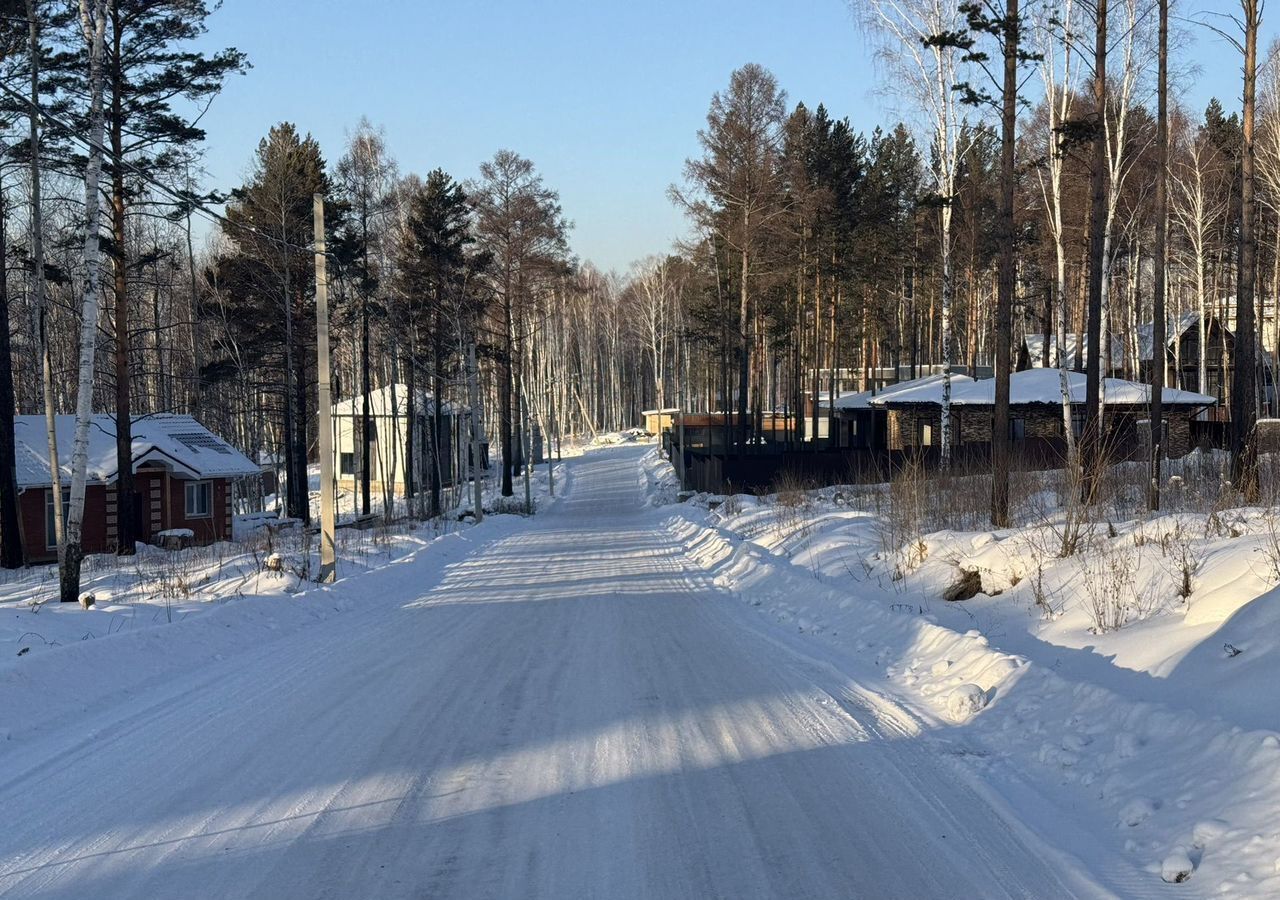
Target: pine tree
269,283
436,261
150,63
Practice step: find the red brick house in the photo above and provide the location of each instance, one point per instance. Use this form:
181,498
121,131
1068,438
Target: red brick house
183,476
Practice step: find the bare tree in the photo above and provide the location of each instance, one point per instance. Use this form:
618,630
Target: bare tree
1055,41
1158,340
736,188
928,69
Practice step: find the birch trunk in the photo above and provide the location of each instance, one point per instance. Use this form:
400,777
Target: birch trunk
93,20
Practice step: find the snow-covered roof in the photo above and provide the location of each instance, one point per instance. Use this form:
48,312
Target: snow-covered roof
1173,330
1040,386
665,411
380,403
178,442
1035,349
863,399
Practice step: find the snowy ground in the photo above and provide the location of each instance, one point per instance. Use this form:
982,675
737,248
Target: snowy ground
159,587
589,703
1132,684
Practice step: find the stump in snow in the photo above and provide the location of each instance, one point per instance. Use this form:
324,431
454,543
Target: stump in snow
967,585
273,563
87,600
1176,868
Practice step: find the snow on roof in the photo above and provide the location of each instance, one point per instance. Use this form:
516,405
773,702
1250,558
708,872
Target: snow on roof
380,403
665,411
1040,386
178,442
863,399
1173,331
1035,349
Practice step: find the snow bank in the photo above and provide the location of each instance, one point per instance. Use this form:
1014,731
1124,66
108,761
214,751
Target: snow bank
1153,734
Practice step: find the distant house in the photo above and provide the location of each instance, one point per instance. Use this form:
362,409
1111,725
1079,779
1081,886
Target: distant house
913,416
1037,348
1182,359
861,421
183,475
388,439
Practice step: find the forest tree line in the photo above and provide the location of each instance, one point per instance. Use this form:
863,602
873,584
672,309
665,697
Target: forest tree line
1026,195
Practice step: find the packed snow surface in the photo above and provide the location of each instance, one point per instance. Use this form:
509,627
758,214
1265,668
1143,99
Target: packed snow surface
571,705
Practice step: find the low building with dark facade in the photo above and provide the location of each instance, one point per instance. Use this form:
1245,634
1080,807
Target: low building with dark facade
183,479
913,417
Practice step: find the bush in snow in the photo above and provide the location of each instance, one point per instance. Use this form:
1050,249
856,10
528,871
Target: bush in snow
1110,583
793,501
1184,555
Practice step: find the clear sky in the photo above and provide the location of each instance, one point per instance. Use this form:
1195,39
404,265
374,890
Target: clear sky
605,96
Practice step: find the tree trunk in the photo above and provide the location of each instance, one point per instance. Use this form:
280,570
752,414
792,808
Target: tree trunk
1244,454
94,23
125,531
1091,439
1158,337
38,282
1008,273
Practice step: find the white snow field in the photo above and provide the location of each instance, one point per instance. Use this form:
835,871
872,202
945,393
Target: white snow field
575,705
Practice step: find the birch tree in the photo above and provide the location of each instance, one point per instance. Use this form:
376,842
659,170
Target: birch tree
1197,210
1055,40
93,22
928,69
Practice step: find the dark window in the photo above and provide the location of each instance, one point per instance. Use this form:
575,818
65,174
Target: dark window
1017,429
347,464
199,499
1077,421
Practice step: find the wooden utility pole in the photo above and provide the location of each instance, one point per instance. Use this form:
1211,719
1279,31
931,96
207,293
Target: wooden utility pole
1158,337
328,555
473,399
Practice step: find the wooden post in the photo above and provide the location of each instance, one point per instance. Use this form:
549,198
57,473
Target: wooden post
546,438
473,399
328,556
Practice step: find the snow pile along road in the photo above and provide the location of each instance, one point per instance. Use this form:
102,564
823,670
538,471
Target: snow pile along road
1176,767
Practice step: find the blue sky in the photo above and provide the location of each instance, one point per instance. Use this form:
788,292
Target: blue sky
604,96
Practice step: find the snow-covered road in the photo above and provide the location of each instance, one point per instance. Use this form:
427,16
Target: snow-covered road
573,709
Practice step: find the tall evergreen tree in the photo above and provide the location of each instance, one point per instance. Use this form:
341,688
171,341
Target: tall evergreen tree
268,279
435,260
151,63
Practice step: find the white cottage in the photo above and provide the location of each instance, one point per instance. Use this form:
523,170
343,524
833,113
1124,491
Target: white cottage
389,411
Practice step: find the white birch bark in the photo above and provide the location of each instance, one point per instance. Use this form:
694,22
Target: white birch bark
1058,76
929,72
93,21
